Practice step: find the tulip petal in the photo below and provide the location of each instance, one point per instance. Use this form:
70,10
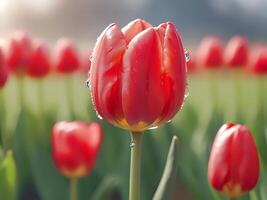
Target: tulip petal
106,64
174,70
133,28
142,90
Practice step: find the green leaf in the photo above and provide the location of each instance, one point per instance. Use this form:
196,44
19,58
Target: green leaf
8,178
166,182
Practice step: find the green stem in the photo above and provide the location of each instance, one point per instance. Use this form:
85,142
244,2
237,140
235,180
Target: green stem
2,117
21,89
41,95
69,94
135,169
73,189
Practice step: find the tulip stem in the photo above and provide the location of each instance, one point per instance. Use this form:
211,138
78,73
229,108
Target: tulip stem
2,118
73,189
135,169
41,95
69,92
21,91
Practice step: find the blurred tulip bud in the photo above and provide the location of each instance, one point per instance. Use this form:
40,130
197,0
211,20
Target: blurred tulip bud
236,52
39,65
75,147
3,70
234,163
258,60
138,75
86,62
191,64
19,50
210,53
66,60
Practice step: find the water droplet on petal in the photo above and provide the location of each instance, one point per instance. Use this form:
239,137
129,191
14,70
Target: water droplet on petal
87,84
187,55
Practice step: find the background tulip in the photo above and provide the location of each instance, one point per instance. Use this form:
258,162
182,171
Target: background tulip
234,163
3,70
137,75
210,52
75,147
19,49
39,65
236,52
258,60
66,60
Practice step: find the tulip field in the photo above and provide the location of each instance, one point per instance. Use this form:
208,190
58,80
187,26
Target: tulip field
101,124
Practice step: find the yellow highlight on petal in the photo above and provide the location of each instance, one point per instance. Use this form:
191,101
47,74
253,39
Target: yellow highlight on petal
139,127
232,189
75,173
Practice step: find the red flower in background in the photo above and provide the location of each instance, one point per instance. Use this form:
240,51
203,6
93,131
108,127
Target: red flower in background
3,70
39,65
138,75
19,50
191,64
75,147
67,60
86,62
258,60
234,163
210,52
236,52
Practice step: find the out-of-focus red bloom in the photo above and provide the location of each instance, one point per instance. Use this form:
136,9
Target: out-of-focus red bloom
75,147
191,64
67,59
86,62
39,65
234,163
19,49
3,70
210,53
138,75
236,52
258,60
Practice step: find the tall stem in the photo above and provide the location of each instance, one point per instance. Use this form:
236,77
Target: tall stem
73,189
21,91
135,169
41,95
69,93
2,117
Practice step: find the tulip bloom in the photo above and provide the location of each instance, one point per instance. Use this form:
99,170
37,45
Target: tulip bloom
138,75
39,65
234,163
75,147
258,60
236,52
210,52
3,70
18,53
67,60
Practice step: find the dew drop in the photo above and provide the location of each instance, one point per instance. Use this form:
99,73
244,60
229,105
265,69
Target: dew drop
187,55
132,144
99,116
87,84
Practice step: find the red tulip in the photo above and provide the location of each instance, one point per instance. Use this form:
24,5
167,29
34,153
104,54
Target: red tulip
67,60
39,65
18,53
3,70
236,52
258,60
86,62
138,75
210,52
191,64
234,163
75,147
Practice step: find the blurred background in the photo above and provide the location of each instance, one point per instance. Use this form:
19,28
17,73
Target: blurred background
217,94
